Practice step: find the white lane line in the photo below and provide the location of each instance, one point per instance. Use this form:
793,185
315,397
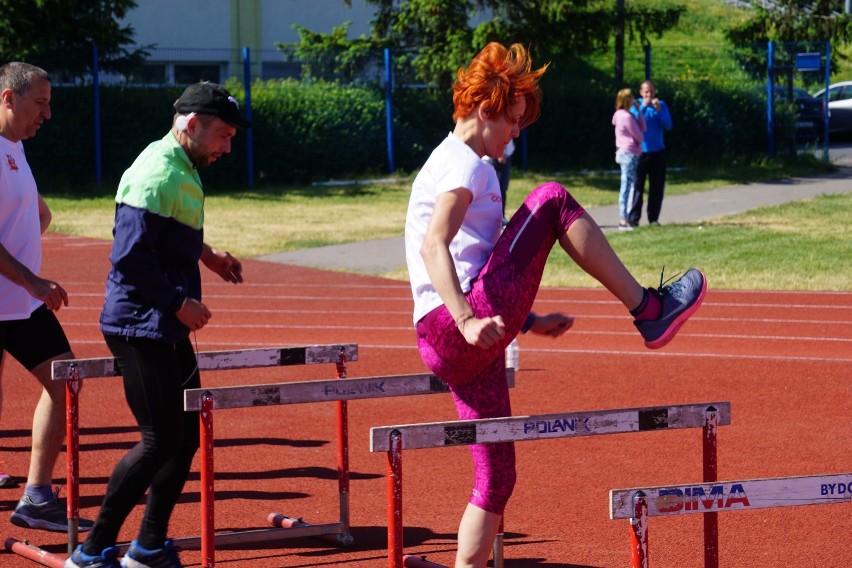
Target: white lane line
406,298
208,345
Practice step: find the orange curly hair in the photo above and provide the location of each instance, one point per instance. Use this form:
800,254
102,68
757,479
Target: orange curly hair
499,76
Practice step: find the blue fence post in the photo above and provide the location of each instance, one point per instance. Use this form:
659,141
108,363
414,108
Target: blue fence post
389,109
96,106
770,99
247,111
647,62
825,100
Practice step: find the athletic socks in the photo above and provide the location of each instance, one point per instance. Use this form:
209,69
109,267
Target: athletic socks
39,494
649,309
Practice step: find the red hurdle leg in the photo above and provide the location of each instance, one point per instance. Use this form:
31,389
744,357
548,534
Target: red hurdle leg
208,525
711,519
34,553
498,545
639,532
343,452
419,562
395,501
72,454
285,522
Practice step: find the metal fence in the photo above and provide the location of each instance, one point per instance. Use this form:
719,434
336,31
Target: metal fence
717,95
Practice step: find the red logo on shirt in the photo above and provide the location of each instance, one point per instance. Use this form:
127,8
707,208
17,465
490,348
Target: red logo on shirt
11,161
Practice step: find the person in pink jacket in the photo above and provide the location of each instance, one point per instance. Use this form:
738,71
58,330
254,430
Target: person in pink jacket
629,133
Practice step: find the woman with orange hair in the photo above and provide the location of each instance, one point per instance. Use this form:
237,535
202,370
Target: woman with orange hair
474,286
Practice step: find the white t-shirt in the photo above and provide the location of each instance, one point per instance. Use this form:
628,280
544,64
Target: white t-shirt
20,232
453,164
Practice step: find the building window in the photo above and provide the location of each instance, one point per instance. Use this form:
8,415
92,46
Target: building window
186,74
148,74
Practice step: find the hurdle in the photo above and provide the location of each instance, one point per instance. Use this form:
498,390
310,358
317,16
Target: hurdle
206,400
639,504
72,371
394,439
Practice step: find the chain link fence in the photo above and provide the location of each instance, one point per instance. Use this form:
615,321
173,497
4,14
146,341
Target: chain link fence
312,122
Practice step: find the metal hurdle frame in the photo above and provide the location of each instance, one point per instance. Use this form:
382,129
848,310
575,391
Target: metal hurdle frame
251,396
639,504
72,371
394,439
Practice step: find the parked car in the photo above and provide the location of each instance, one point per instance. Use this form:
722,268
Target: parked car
839,107
810,117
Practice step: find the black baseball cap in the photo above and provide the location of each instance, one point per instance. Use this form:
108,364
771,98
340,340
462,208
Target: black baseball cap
213,99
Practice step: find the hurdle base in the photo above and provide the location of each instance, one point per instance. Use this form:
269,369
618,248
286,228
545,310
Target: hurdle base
34,553
409,561
339,538
257,535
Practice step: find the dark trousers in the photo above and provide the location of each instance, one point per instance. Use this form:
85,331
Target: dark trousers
155,375
504,174
652,165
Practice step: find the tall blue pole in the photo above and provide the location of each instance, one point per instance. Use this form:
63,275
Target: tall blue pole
389,109
825,100
770,99
247,111
97,110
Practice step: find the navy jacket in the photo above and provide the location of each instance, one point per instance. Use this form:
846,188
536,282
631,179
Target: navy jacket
158,239
154,269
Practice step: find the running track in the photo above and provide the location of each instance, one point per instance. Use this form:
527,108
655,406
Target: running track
783,360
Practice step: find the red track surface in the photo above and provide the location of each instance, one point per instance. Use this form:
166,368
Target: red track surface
782,359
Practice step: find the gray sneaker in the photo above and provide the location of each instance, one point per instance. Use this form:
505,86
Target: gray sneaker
679,301
49,516
7,480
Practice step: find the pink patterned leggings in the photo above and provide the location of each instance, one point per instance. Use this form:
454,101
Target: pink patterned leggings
506,286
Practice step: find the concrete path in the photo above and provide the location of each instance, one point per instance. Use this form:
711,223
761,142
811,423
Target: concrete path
381,256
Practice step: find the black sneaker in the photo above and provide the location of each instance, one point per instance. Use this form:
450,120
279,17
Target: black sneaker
679,301
166,557
108,558
49,516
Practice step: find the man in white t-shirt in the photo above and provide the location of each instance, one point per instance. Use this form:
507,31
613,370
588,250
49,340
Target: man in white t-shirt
29,330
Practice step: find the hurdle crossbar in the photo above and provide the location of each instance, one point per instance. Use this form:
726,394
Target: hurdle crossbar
72,371
318,391
394,439
638,504
544,426
206,400
217,360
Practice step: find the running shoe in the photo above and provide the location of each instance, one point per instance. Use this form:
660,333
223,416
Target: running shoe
137,557
7,481
108,558
49,516
679,301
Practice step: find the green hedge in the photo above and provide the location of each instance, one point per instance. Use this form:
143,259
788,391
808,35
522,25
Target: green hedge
317,131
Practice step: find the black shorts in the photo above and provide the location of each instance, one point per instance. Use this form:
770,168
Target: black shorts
34,340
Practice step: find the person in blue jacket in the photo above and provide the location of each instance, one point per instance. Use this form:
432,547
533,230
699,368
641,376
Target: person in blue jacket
652,162
153,303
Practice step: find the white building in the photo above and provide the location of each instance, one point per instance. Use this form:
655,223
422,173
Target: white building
204,39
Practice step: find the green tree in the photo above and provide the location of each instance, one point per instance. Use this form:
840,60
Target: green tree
437,36
58,35
329,56
787,22
791,24
793,20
